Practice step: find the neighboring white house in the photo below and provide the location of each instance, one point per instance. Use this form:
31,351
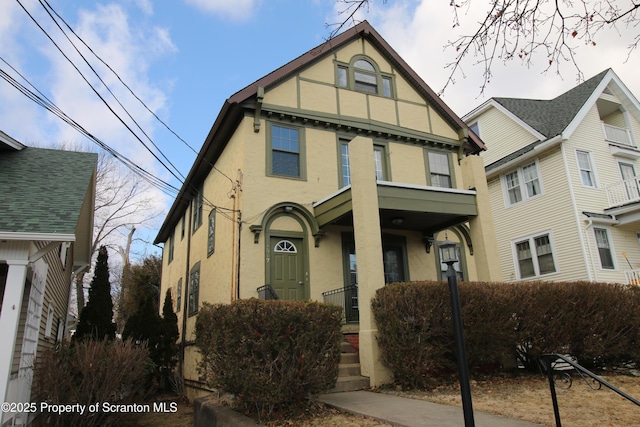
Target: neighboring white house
563,182
46,226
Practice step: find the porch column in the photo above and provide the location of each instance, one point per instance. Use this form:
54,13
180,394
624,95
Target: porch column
9,318
368,241
481,227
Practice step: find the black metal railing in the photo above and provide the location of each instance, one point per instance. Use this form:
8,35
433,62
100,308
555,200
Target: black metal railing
557,364
267,292
347,298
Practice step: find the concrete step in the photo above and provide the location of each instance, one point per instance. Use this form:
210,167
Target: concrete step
351,383
345,347
348,358
348,369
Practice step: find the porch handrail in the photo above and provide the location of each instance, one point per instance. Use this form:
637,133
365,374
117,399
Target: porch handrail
623,192
266,292
347,298
547,362
617,134
632,276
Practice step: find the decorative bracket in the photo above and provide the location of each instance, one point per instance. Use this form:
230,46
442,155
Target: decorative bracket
256,118
256,230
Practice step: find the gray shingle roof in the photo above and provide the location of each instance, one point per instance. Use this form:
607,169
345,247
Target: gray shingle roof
42,190
551,117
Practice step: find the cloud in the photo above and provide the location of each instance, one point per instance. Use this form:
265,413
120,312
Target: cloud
420,30
237,10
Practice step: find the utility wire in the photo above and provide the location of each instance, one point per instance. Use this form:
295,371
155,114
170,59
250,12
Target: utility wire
129,88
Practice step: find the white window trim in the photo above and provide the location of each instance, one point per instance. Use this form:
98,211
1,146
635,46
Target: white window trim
596,183
611,248
51,310
523,192
536,267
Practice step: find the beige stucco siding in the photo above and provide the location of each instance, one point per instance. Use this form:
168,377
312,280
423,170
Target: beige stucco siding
383,110
407,163
501,135
318,97
285,94
414,116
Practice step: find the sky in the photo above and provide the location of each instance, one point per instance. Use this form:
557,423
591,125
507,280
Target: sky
183,58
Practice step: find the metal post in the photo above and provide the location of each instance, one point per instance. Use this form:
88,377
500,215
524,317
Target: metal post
461,354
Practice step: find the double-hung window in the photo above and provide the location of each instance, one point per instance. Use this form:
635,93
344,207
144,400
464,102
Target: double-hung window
285,152
522,184
379,161
198,203
534,256
179,295
604,248
439,169
585,166
345,168
211,237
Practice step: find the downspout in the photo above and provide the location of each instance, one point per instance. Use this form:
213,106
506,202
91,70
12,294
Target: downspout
185,305
238,261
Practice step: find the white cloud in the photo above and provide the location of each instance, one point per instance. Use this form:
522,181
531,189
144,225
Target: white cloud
238,10
419,30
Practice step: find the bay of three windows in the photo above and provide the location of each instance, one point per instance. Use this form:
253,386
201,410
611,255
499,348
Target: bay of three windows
363,75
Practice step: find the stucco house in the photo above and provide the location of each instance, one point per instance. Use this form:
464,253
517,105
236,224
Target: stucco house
562,176
46,227
334,174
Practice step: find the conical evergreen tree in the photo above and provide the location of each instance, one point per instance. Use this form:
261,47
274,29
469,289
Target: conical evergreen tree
168,339
96,319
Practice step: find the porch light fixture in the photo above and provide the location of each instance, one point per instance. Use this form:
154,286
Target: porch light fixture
397,221
449,257
288,209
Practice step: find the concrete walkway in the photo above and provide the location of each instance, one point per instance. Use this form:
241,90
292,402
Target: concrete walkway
405,412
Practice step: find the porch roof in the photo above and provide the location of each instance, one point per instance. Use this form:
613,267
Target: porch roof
404,207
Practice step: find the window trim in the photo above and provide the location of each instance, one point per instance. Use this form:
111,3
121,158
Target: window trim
612,251
194,291
171,249
525,197
51,312
381,76
302,157
383,146
211,232
427,166
198,206
179,295
592,163
343,141
536,266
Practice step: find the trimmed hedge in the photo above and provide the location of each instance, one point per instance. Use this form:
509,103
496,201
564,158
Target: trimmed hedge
269,354
597,323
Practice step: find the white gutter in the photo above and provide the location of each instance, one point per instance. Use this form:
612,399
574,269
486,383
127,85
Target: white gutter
52,237
535,152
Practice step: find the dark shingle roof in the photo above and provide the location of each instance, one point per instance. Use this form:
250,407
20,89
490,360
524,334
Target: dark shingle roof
42,190
551,117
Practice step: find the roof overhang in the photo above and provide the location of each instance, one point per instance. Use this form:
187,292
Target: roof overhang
404,207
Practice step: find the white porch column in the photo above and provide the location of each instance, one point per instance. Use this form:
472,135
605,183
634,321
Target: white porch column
9,318
368,240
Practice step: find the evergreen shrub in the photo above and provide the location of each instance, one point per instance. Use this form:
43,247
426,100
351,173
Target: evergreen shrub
270,354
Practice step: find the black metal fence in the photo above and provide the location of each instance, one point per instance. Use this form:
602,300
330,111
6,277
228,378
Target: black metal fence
347,298
267,292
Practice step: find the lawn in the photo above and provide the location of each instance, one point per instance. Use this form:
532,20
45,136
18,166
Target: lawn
524,397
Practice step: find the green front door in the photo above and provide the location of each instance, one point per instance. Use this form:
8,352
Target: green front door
287,268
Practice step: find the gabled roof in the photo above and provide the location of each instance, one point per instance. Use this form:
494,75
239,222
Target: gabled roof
233,110
557,118
43,191
552,117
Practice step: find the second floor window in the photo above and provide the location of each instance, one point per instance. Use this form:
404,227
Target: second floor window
285,152
364,76
439,170
194,289
522,184
379,159
198,202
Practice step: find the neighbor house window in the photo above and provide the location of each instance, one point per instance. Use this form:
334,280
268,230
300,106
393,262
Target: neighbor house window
585,166
184,221
475,128
198,202
286,152
439,169
211,239
50,314
522,184
363,75
604,248
194,289
534,256
179,295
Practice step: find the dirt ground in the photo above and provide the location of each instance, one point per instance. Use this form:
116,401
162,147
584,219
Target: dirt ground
524,397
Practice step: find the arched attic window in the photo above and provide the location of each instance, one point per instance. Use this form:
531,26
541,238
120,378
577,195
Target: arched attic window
363,75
